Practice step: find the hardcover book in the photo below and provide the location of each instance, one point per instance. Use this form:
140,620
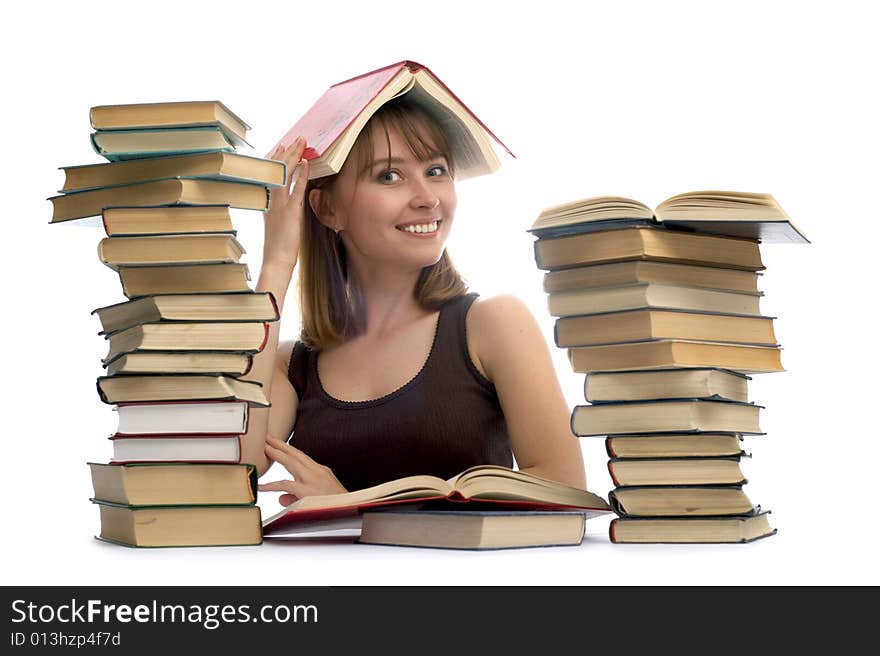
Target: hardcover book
331,126
174,483
470,529
647,243
694,530
176,114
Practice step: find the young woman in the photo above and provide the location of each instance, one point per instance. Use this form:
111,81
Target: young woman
398,370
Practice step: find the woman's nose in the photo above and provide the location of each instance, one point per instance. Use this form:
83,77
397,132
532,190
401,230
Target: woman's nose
423,196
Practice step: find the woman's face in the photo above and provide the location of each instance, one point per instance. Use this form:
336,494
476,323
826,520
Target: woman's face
398,210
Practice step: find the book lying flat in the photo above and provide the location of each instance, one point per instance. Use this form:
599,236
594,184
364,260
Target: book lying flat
651,324
255,306
664,273
332,125
180,526
166,219
696,383
500,487
676,471
665,416
233,167
160,250
645,243
240,337
669,353
121,145
651,295
182,362
463,529
735,213
674,445
695,530
188,113
190,387
176,417
176,448
184,279
174,483
176,191
681,501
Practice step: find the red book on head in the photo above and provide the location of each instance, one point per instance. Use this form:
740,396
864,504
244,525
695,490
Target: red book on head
331,126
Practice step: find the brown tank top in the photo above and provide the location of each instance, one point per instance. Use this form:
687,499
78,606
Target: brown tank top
444,420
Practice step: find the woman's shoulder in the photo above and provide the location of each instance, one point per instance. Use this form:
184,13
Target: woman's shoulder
491,312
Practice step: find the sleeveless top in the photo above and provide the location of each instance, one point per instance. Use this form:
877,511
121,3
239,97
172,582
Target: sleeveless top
444,420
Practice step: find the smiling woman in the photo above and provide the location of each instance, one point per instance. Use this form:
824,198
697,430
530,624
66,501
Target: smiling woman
398,370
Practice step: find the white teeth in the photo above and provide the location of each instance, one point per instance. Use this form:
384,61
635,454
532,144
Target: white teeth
422,227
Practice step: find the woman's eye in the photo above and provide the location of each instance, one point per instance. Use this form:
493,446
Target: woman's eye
438,170
388,176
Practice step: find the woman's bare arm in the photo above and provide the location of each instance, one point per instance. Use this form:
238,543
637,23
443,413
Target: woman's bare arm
512,351
282,225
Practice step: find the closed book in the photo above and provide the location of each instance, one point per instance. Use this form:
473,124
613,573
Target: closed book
160,250
176,448
194,362
180,526
200,417
166,219
184,279
643,243
232,167
332,124
175,191
681,501
665,416
664,273
240,337
644,325
696,383
256,306
676,471
652,295
693,530
670,353
176,114
662,445
190,387
174,483
476,530
121,145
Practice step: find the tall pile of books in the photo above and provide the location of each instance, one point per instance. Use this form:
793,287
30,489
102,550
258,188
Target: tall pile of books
178,347
660,310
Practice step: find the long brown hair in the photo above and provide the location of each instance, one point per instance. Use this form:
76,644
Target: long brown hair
331,301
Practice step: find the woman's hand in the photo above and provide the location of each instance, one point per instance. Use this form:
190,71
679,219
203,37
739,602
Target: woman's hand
311,478
284,217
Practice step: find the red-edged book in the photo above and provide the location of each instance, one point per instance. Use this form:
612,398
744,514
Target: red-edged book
331,126
170,447
482,486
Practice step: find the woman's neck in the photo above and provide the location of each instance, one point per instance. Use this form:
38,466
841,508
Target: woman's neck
389,302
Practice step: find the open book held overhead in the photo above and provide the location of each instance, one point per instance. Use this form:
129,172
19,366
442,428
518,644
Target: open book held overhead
333,123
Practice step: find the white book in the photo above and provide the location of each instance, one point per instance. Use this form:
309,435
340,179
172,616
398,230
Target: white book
185,448
198,417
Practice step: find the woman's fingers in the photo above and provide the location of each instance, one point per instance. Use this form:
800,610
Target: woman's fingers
301,173
293,491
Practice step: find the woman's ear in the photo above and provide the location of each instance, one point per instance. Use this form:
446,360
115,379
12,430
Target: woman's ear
322,206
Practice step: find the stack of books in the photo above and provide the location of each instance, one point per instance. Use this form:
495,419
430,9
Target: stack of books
179,345
660,309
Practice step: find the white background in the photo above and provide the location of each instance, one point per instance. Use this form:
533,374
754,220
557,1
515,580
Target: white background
639,99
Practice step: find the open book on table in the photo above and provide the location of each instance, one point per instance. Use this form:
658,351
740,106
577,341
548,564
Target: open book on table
497,487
